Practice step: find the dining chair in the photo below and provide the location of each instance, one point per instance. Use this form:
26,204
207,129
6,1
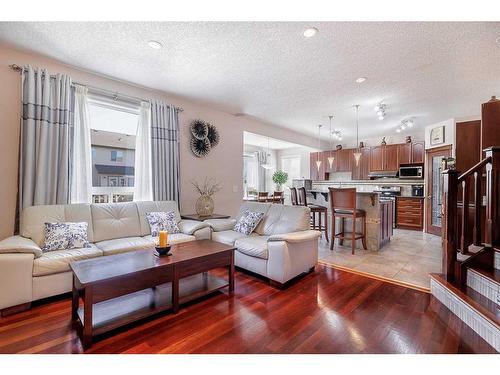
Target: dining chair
278,197
262,196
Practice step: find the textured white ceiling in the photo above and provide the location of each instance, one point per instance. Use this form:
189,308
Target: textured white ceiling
428,71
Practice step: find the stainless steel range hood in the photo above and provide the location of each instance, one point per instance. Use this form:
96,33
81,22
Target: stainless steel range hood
383,174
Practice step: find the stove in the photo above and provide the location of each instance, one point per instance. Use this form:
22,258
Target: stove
389,193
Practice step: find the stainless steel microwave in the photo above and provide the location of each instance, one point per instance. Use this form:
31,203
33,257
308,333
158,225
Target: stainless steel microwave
411,172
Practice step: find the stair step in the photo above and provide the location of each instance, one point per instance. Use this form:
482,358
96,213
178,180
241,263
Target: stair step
474,309
485,281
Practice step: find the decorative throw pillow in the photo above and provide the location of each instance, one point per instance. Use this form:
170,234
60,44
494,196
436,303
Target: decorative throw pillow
62,236
162,221
248,222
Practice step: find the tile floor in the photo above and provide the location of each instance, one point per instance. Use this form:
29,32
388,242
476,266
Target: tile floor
409,257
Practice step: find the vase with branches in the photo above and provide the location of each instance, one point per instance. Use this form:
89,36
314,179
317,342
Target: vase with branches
205,204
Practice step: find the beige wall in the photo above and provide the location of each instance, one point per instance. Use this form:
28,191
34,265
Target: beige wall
224,162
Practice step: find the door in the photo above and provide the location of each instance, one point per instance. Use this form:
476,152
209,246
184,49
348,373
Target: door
434,187
377,159
392,157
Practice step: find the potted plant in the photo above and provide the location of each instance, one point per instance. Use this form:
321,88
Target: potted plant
280,178
205,204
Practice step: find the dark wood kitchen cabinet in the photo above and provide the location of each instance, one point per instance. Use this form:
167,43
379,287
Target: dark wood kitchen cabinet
344,160
315,174
410,213
411,153
384,158
360,172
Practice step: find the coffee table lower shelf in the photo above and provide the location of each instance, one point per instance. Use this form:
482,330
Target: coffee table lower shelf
114,313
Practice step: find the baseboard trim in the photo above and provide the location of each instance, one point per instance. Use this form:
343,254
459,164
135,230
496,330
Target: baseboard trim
377,277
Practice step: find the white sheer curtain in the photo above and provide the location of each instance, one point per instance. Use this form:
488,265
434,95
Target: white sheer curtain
81,176
143,181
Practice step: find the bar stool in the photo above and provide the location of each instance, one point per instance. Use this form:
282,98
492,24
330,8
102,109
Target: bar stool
293,196
343,205
315,209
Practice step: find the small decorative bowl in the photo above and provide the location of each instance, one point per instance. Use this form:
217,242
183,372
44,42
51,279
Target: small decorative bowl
163,251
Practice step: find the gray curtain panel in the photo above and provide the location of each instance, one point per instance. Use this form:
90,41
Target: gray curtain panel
262,159
165,151
46,138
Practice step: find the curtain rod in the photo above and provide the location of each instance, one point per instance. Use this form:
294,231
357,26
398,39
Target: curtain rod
114,94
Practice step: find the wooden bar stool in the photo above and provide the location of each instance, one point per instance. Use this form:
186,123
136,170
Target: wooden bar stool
315,209
343,205
293,196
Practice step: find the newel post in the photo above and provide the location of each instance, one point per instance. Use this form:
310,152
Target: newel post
492,223
449,222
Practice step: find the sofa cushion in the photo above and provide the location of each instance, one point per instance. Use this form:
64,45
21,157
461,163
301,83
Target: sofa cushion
58,261
124,245
248,222
254,207
162,221
144,207
174,238
255,246
115,220
284,219
228,236
33,219
63,236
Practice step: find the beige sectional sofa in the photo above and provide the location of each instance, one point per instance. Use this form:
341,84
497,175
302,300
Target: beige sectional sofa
281,247
28,274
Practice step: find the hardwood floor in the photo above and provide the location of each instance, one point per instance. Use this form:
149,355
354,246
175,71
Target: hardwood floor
329,311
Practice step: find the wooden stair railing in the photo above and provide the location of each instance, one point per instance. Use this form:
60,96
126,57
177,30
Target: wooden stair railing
459,240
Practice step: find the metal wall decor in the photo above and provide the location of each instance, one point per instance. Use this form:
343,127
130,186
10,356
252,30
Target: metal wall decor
204,137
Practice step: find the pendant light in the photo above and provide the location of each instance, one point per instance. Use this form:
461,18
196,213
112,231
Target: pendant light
331,158
318,162
267,165
357,154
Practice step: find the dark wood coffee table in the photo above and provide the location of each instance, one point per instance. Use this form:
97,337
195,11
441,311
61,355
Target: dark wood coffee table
123,288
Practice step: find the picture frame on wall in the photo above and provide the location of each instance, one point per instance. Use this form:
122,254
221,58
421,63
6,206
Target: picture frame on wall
437,135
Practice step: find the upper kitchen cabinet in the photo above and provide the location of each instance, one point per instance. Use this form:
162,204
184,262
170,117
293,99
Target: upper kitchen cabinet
384,158
417,152
411,153
377,158
360,172
315,173
392,157
344,159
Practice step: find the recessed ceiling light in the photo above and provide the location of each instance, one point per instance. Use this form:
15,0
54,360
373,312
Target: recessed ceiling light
310,32
154,44
361,80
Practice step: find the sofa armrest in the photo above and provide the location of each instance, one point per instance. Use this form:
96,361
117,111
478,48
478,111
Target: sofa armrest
191,226
301,236
16,279
218,225
19,244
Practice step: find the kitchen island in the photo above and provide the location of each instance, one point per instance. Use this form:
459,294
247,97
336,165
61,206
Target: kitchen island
378,217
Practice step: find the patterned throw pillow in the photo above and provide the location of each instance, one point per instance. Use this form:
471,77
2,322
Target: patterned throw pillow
162,221
248,222
62,236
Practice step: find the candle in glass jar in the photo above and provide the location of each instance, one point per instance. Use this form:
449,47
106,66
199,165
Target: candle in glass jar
163,238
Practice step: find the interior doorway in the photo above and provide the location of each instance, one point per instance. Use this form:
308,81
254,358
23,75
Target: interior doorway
434,188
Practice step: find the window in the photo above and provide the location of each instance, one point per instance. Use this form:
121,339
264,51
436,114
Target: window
250,175
116,155
113,131
291,165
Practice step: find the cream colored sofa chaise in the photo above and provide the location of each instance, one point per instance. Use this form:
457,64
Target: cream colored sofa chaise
280,248
28,274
